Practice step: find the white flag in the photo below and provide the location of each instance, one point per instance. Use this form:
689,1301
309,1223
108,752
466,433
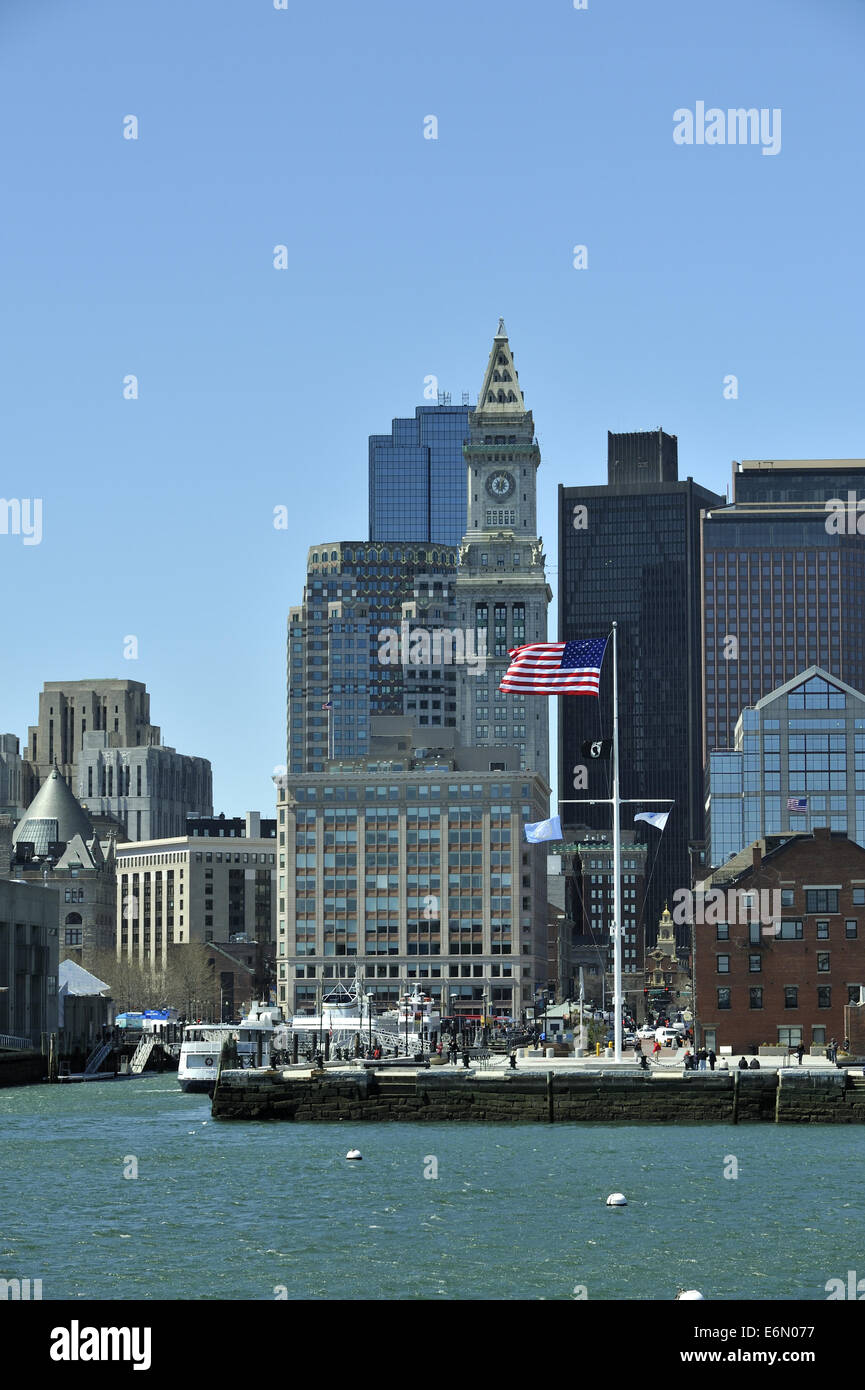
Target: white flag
544,830
656,818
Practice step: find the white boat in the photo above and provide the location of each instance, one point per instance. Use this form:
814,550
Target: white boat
202,1046
416,1022
347,1012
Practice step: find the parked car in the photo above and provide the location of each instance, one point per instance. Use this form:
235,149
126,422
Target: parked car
646,1031
668,1037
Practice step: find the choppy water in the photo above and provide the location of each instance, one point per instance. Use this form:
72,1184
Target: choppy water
241,1211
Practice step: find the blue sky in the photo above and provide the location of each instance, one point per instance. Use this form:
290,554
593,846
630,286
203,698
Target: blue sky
257,387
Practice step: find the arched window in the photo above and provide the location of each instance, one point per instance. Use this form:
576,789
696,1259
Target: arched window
333,555
506,376
73,919
497,376
491,397
511,396
315,558
501,397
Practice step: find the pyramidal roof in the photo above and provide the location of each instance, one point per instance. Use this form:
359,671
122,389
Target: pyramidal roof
53,814
501,393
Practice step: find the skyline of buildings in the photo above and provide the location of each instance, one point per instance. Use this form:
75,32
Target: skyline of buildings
366,698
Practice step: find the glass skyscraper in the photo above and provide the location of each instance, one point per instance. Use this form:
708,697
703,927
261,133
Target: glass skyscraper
337,680
803,743
417,477
783,585
629,552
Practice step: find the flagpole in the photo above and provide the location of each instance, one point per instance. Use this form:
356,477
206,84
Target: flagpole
617,861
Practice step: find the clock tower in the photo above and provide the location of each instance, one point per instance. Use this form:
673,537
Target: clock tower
501,589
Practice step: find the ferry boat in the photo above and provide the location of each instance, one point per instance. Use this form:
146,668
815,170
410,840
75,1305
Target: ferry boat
202,1045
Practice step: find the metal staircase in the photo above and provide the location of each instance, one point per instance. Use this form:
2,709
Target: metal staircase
141,1055
97,1057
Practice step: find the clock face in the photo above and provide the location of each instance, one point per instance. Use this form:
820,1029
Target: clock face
500,485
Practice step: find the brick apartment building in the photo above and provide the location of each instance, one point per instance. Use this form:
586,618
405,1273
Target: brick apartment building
786,982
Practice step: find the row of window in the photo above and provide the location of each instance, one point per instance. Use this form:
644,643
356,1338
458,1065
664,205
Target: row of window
791,996
755,963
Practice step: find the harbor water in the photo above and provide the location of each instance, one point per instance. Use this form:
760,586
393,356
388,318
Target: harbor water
273,1210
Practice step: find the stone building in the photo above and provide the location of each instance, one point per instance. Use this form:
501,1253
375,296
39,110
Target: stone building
785,979
196,888
99,735
55,843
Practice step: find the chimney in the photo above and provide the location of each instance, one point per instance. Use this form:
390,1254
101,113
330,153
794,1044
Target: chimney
821,832
756,855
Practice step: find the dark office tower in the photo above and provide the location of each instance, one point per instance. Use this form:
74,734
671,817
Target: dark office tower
629,552
646,457
354,648
417,477
783,582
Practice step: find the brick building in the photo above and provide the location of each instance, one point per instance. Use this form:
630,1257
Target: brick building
785,981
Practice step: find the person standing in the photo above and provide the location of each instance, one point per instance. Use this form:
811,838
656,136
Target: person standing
711,1059
832,1050
800,1052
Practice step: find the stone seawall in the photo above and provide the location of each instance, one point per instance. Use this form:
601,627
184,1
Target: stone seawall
541,1097
22,1068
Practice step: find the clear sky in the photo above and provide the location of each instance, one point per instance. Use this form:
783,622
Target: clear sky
304,127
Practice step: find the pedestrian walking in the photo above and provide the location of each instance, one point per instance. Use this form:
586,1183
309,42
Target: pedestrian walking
800,1052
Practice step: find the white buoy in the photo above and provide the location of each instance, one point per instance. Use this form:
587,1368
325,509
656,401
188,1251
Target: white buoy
354,1153
689,1294
617,1199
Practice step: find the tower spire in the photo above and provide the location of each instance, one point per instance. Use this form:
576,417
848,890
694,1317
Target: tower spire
501,393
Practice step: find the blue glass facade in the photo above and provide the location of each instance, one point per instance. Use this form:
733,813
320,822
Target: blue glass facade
804,742
417,477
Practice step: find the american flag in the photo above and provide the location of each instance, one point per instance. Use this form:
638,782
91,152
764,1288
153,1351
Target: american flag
797,803
555,668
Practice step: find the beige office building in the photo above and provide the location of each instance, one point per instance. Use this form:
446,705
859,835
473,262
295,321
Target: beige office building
195,888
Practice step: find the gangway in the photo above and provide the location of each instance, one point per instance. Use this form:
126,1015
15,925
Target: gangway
97,1057
141,1055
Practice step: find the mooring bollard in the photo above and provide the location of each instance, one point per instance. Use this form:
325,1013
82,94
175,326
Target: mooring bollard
513,1061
